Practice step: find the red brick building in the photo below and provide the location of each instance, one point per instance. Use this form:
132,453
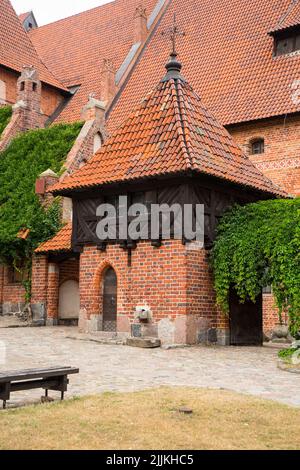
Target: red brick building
169,150
245,67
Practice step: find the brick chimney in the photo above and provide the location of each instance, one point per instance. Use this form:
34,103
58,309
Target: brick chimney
140,24
46,179
29,91
93,110
27,111
108,75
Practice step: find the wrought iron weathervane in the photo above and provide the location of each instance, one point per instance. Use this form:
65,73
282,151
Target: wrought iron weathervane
173,33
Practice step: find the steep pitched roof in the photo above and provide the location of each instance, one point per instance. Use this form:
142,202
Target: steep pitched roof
290,18
74,48
228,56
16,49
61,241
170,132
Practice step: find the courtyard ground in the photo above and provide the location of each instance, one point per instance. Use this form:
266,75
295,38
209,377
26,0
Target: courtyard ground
151,420
112,368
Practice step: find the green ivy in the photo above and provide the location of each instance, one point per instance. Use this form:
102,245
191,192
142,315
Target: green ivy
259,245
21,163
5,115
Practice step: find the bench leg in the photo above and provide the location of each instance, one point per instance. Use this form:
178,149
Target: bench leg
4,404
46,393
62,395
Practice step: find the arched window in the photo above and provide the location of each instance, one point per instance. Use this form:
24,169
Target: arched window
2,92
97,142
257,146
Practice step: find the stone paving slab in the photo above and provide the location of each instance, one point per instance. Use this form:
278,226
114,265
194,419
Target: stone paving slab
121,368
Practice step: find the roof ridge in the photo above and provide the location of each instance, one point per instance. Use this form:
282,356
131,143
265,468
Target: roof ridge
183,136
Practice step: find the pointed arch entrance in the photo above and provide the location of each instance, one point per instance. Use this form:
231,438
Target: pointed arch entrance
109,307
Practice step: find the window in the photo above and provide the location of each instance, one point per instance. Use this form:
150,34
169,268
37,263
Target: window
287,44
97,142
257,146
2,92
34,87
22,87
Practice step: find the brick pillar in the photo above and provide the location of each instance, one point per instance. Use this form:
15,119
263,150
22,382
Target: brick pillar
46,179
140,25
52,294
39,289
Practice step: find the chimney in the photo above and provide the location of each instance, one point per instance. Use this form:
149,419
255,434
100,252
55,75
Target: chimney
94,110
140,25
29,91
109,87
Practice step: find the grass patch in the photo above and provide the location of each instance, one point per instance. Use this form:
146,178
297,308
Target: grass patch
150,420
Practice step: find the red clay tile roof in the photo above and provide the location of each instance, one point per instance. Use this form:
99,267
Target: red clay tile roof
227,55
170,132
74,48
60,242
16,49
291,16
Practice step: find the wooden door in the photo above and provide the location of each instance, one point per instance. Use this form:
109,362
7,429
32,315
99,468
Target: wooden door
246,325
110,301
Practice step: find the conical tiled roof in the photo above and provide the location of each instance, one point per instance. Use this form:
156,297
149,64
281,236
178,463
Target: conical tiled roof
170,132
16,48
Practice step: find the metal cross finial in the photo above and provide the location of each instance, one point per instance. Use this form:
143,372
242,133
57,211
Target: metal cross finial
173,33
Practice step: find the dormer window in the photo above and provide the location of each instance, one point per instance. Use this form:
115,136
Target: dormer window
257,146
287,45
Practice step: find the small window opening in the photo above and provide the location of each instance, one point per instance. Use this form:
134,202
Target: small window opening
257,146
22,87
34,87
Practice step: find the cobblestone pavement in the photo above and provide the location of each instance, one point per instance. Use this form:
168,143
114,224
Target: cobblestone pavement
121,368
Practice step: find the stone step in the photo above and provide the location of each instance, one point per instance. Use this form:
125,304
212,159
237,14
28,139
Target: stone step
145,343
12,321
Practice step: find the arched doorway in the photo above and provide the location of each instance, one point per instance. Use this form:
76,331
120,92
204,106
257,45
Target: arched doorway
110,300
69,301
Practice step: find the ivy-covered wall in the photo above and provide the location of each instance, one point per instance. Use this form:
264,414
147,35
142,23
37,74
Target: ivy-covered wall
259,245
5,115
21,163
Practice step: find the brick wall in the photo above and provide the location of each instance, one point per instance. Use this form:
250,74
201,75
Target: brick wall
281,159
270,314
10,79
12,295
165,279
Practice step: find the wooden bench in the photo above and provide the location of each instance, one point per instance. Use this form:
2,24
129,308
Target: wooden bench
52,378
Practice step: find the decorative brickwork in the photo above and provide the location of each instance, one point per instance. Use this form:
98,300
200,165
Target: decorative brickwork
280,162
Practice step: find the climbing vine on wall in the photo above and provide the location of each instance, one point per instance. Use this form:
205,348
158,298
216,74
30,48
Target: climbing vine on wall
21,163
5,115
259,245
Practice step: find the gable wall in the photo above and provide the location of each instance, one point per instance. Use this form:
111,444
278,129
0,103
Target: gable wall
281,160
